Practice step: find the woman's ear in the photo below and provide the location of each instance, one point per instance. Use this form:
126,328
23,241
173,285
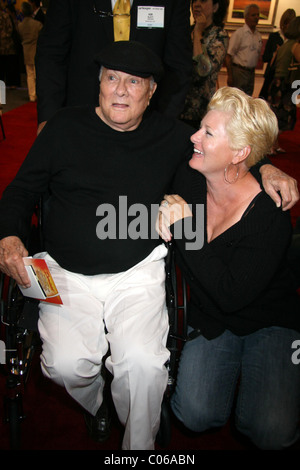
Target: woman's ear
242,154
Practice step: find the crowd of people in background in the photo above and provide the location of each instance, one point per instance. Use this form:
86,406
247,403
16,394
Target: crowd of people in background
19,31
212,48
210,42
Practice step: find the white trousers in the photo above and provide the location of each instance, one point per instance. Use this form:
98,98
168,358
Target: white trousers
131,305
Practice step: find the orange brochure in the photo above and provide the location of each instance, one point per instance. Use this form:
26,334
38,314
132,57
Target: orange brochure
42,284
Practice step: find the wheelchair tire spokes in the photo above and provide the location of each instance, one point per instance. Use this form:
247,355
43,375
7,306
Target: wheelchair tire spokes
20,343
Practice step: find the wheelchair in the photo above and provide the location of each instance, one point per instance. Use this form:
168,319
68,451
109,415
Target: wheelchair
19,317
177,294
19,341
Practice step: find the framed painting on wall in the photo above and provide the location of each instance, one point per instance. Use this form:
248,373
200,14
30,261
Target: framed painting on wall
267,11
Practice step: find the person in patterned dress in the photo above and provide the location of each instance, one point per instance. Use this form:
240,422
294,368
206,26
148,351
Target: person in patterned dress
210,42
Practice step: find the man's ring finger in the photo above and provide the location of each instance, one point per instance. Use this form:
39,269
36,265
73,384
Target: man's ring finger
165,204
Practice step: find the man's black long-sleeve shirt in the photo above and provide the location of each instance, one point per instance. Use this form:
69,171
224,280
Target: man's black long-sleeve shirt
87,166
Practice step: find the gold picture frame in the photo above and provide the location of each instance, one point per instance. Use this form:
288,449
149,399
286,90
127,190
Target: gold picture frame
236,9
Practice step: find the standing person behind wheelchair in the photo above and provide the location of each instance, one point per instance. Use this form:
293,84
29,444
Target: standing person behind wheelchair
90,157
244,311
75,31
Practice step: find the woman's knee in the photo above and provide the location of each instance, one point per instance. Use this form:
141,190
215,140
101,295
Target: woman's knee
196,415
272,432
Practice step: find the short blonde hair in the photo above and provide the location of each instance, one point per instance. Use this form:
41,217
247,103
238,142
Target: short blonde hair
251,122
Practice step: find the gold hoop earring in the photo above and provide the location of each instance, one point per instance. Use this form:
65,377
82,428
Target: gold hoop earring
235,178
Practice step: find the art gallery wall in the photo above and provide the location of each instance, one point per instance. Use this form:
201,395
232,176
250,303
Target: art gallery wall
283,5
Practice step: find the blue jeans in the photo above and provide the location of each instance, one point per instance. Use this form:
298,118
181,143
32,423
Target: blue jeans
268,401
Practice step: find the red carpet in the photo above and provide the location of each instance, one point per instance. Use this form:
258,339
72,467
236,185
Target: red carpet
53,420
20,130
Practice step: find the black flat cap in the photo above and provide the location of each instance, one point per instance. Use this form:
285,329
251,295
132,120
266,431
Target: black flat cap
131,57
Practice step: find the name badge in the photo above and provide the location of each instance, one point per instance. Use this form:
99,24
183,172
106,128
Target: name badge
150,17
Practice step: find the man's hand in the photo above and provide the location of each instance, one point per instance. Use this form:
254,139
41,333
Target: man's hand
275,180
12,252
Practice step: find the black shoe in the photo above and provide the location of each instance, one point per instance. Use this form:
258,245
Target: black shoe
99,426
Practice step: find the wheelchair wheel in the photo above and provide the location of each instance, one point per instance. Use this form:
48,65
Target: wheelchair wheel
21,343
13,413
14,426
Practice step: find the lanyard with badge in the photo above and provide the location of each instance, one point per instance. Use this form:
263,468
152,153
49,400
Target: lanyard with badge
148,17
